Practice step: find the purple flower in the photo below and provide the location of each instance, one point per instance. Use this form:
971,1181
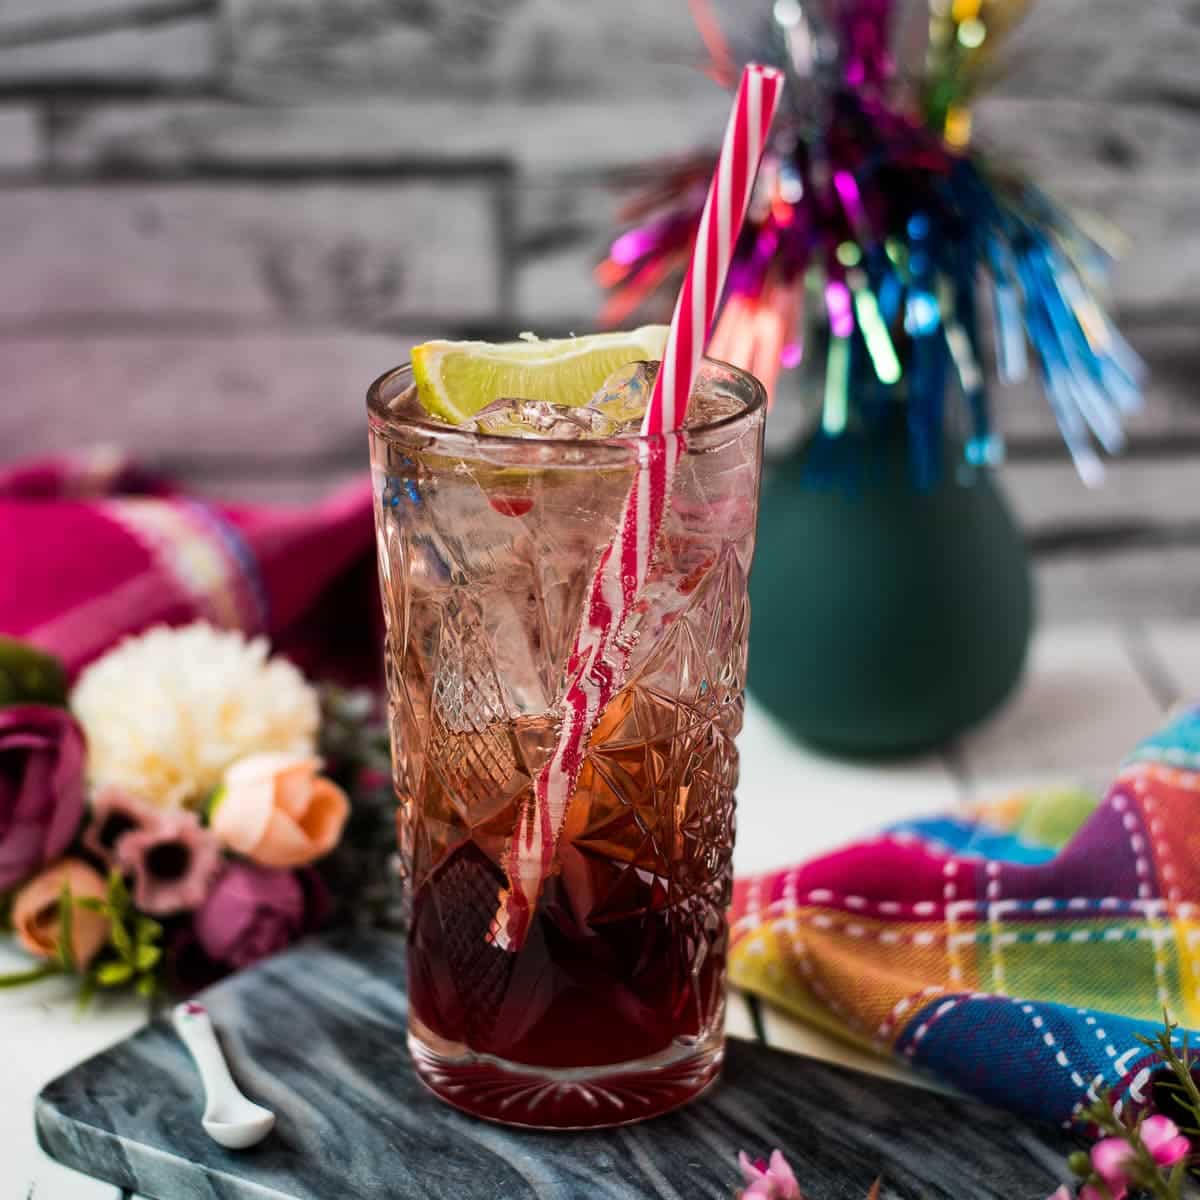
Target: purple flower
251,913
318,903
41,788
173,862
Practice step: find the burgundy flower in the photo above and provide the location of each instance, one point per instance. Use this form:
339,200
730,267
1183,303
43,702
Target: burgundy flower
115,814
173,862
318,903
251,913
186,966
41,787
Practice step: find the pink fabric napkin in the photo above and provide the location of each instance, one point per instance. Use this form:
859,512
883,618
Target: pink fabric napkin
93,548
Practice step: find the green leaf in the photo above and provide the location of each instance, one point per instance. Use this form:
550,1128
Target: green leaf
210,806
29,675
1177,1176
146,930
92,904
65,948
146,957
147,986
113,974
119,936
118,892
20,978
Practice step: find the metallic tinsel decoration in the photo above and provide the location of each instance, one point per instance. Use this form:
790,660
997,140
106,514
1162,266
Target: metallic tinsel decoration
877,234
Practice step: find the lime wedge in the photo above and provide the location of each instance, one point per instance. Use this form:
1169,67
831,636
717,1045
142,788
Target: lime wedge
456,379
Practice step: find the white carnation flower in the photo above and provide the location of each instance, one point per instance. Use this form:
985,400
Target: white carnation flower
167,712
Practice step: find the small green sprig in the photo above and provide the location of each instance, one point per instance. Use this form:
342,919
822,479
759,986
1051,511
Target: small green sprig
134,954
21,978
1142,1172
1182,1086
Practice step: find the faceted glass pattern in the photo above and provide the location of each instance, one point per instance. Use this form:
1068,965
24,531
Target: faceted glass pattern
612,1009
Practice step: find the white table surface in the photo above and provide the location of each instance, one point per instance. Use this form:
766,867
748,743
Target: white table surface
1089,694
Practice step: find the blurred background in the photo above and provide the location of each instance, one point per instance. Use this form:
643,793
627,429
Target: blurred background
220,219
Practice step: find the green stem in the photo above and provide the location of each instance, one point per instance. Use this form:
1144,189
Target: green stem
20,978
1183,1074
1180,1066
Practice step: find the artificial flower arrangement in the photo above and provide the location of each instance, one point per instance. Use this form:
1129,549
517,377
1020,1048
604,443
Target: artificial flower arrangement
192,806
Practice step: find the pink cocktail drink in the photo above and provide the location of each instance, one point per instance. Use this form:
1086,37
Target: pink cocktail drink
610,1008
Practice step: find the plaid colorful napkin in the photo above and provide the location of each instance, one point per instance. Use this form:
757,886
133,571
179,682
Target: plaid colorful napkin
93,548
1015,952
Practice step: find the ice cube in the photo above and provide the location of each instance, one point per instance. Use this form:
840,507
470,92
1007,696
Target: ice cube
623,396
538,419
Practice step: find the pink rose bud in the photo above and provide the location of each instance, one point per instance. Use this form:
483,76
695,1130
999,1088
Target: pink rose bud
35,912
276,810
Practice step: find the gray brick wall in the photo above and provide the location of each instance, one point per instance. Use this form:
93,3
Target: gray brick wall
218,214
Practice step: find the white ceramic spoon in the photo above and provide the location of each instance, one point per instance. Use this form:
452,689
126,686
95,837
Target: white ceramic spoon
230,1119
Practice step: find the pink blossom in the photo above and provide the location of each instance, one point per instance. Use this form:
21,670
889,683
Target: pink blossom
114,815
1161,1136
1062,1192
768,1180
1089,1192
1110,1157
173,863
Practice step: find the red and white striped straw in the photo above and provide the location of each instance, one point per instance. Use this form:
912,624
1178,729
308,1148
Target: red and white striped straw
596,667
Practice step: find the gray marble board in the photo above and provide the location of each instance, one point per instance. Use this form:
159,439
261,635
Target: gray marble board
318,1035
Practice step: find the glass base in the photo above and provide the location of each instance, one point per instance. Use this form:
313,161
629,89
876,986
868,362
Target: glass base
574,1098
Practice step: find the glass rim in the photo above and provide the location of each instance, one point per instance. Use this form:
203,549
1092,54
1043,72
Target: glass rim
443,432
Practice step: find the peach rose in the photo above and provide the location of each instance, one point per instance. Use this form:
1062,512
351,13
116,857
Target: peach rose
35,911
276,810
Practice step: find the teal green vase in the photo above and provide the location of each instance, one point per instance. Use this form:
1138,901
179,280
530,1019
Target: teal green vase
884,619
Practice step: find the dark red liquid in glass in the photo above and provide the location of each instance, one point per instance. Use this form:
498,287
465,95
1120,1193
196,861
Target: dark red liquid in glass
625,958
